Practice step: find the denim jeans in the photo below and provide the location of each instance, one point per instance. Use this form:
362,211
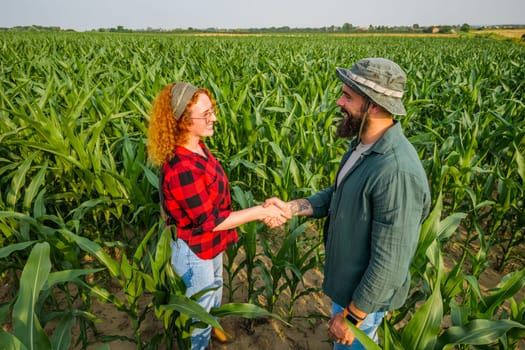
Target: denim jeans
369,327
198,274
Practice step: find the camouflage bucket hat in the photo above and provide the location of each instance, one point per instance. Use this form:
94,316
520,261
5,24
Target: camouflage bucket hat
379,79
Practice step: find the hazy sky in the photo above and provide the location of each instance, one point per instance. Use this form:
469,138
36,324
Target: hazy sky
170,14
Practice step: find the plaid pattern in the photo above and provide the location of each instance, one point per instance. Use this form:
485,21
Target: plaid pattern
196,197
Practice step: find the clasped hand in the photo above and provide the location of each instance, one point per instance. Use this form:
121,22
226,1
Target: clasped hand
279,207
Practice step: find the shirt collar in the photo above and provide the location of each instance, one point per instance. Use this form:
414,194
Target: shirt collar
386,141
389,138
181,150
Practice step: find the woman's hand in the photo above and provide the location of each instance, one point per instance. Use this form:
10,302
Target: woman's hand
272,215
284,207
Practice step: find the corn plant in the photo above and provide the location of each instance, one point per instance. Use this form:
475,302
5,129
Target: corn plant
182,314
73,117
287,266
471,322
301,259
248,242
28,310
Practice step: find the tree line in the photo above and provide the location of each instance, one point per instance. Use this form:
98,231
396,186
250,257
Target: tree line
345,28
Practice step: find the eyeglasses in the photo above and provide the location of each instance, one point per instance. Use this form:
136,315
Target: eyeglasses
208,114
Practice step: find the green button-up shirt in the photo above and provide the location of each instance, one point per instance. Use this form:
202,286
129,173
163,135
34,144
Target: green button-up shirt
375,216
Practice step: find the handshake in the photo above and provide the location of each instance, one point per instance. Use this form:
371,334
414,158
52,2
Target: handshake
275,212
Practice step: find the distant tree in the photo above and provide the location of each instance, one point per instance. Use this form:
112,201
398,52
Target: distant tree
347,27
415,26
465,28
445,30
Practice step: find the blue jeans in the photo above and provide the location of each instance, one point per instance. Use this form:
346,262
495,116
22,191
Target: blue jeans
198,274
369,327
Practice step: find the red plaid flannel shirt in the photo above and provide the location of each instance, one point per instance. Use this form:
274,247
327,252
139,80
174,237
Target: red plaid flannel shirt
197,199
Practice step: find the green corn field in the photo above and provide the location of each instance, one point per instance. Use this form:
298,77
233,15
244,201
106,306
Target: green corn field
79,208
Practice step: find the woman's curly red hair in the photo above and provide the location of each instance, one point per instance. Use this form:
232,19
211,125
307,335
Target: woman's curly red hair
164,132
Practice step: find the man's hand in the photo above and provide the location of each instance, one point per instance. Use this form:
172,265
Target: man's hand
273,216
284,206
339,330
297,207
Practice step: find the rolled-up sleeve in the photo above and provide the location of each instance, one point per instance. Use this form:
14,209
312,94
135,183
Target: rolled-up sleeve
321,202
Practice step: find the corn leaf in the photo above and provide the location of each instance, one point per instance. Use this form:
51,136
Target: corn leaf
190,308
32,190
6,251
61,338
26,325
10,342
476,332
243,310
95,250
422,330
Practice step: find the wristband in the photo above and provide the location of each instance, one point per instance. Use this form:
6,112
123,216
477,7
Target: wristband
351,317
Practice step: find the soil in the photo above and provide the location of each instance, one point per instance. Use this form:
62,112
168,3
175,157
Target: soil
308,329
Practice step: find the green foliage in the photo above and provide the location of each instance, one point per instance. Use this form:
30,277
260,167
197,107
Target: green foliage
248,242
465,27
27,314
74,172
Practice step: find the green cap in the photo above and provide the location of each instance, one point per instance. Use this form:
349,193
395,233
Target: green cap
379,79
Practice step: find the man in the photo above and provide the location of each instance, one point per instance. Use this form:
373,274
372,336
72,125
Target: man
376,206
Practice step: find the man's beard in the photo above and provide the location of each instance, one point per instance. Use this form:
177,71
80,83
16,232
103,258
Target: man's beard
350,125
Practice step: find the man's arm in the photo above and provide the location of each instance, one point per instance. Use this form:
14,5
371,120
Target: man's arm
300,207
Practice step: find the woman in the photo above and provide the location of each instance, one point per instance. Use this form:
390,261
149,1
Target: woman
194,191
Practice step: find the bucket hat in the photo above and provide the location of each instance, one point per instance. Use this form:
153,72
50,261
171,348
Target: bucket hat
379,79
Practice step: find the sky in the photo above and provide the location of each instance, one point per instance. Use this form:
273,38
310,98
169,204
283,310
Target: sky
82,15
